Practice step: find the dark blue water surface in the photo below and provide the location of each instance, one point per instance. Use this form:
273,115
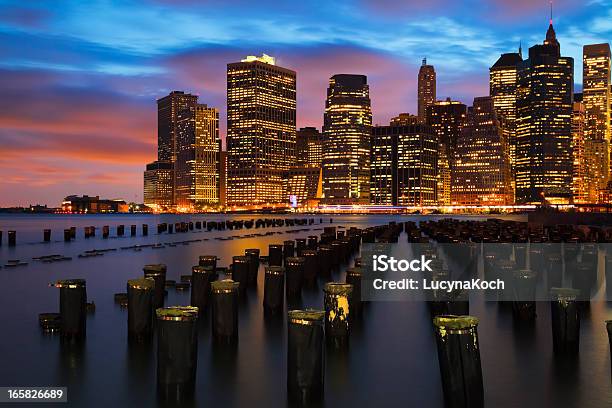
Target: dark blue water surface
392,360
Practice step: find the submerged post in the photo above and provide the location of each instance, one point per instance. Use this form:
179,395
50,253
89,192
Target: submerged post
524,287
158,273
337,309
201,278
225,311
240,272
140,309
459,359
275,255
311,266
294,269
12,238
274,283
609,329
177,352
565,319
353,277
305,352
73,308
253,255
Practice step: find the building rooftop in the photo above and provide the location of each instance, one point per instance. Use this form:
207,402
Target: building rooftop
510,59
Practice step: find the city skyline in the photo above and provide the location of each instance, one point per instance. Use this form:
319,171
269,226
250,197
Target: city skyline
65,115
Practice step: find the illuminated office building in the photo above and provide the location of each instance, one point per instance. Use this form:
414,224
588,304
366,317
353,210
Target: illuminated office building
403,165
196,169
404,119
580,174
158,179
544,159
168,109
447,119
347,126
502,88
305,183
481,173
308,147
223,178
596,99
261,103
426,93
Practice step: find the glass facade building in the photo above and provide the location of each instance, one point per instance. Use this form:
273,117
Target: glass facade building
261,106
481,173
309,147
544,159
502,88
447,119
197,166
426,93
596,99
403,165
347,126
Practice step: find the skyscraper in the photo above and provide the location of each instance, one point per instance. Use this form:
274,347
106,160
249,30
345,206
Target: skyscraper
158,185
304,183
580,175
426,89
596,99
159,176
447,118
168,109
346,140
544,160
196,167
481,173
404,119
261,103
308,147
502,88
403,165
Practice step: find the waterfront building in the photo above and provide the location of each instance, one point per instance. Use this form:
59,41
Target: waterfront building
544,159
596,99
302,184
223,178
158,185
197,164
308,147
426,89
93,205
261,112
481,172
346,140
580,183
403,165
503,89
447,119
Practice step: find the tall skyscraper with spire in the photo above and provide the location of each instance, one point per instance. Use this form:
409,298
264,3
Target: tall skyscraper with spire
347,127
261,111
426,89
543,159
596,99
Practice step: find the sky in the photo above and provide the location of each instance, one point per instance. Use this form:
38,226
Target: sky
79,80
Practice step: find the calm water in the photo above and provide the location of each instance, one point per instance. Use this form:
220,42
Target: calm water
392,360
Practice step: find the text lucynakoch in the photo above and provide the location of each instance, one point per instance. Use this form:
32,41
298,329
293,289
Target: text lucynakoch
443,285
